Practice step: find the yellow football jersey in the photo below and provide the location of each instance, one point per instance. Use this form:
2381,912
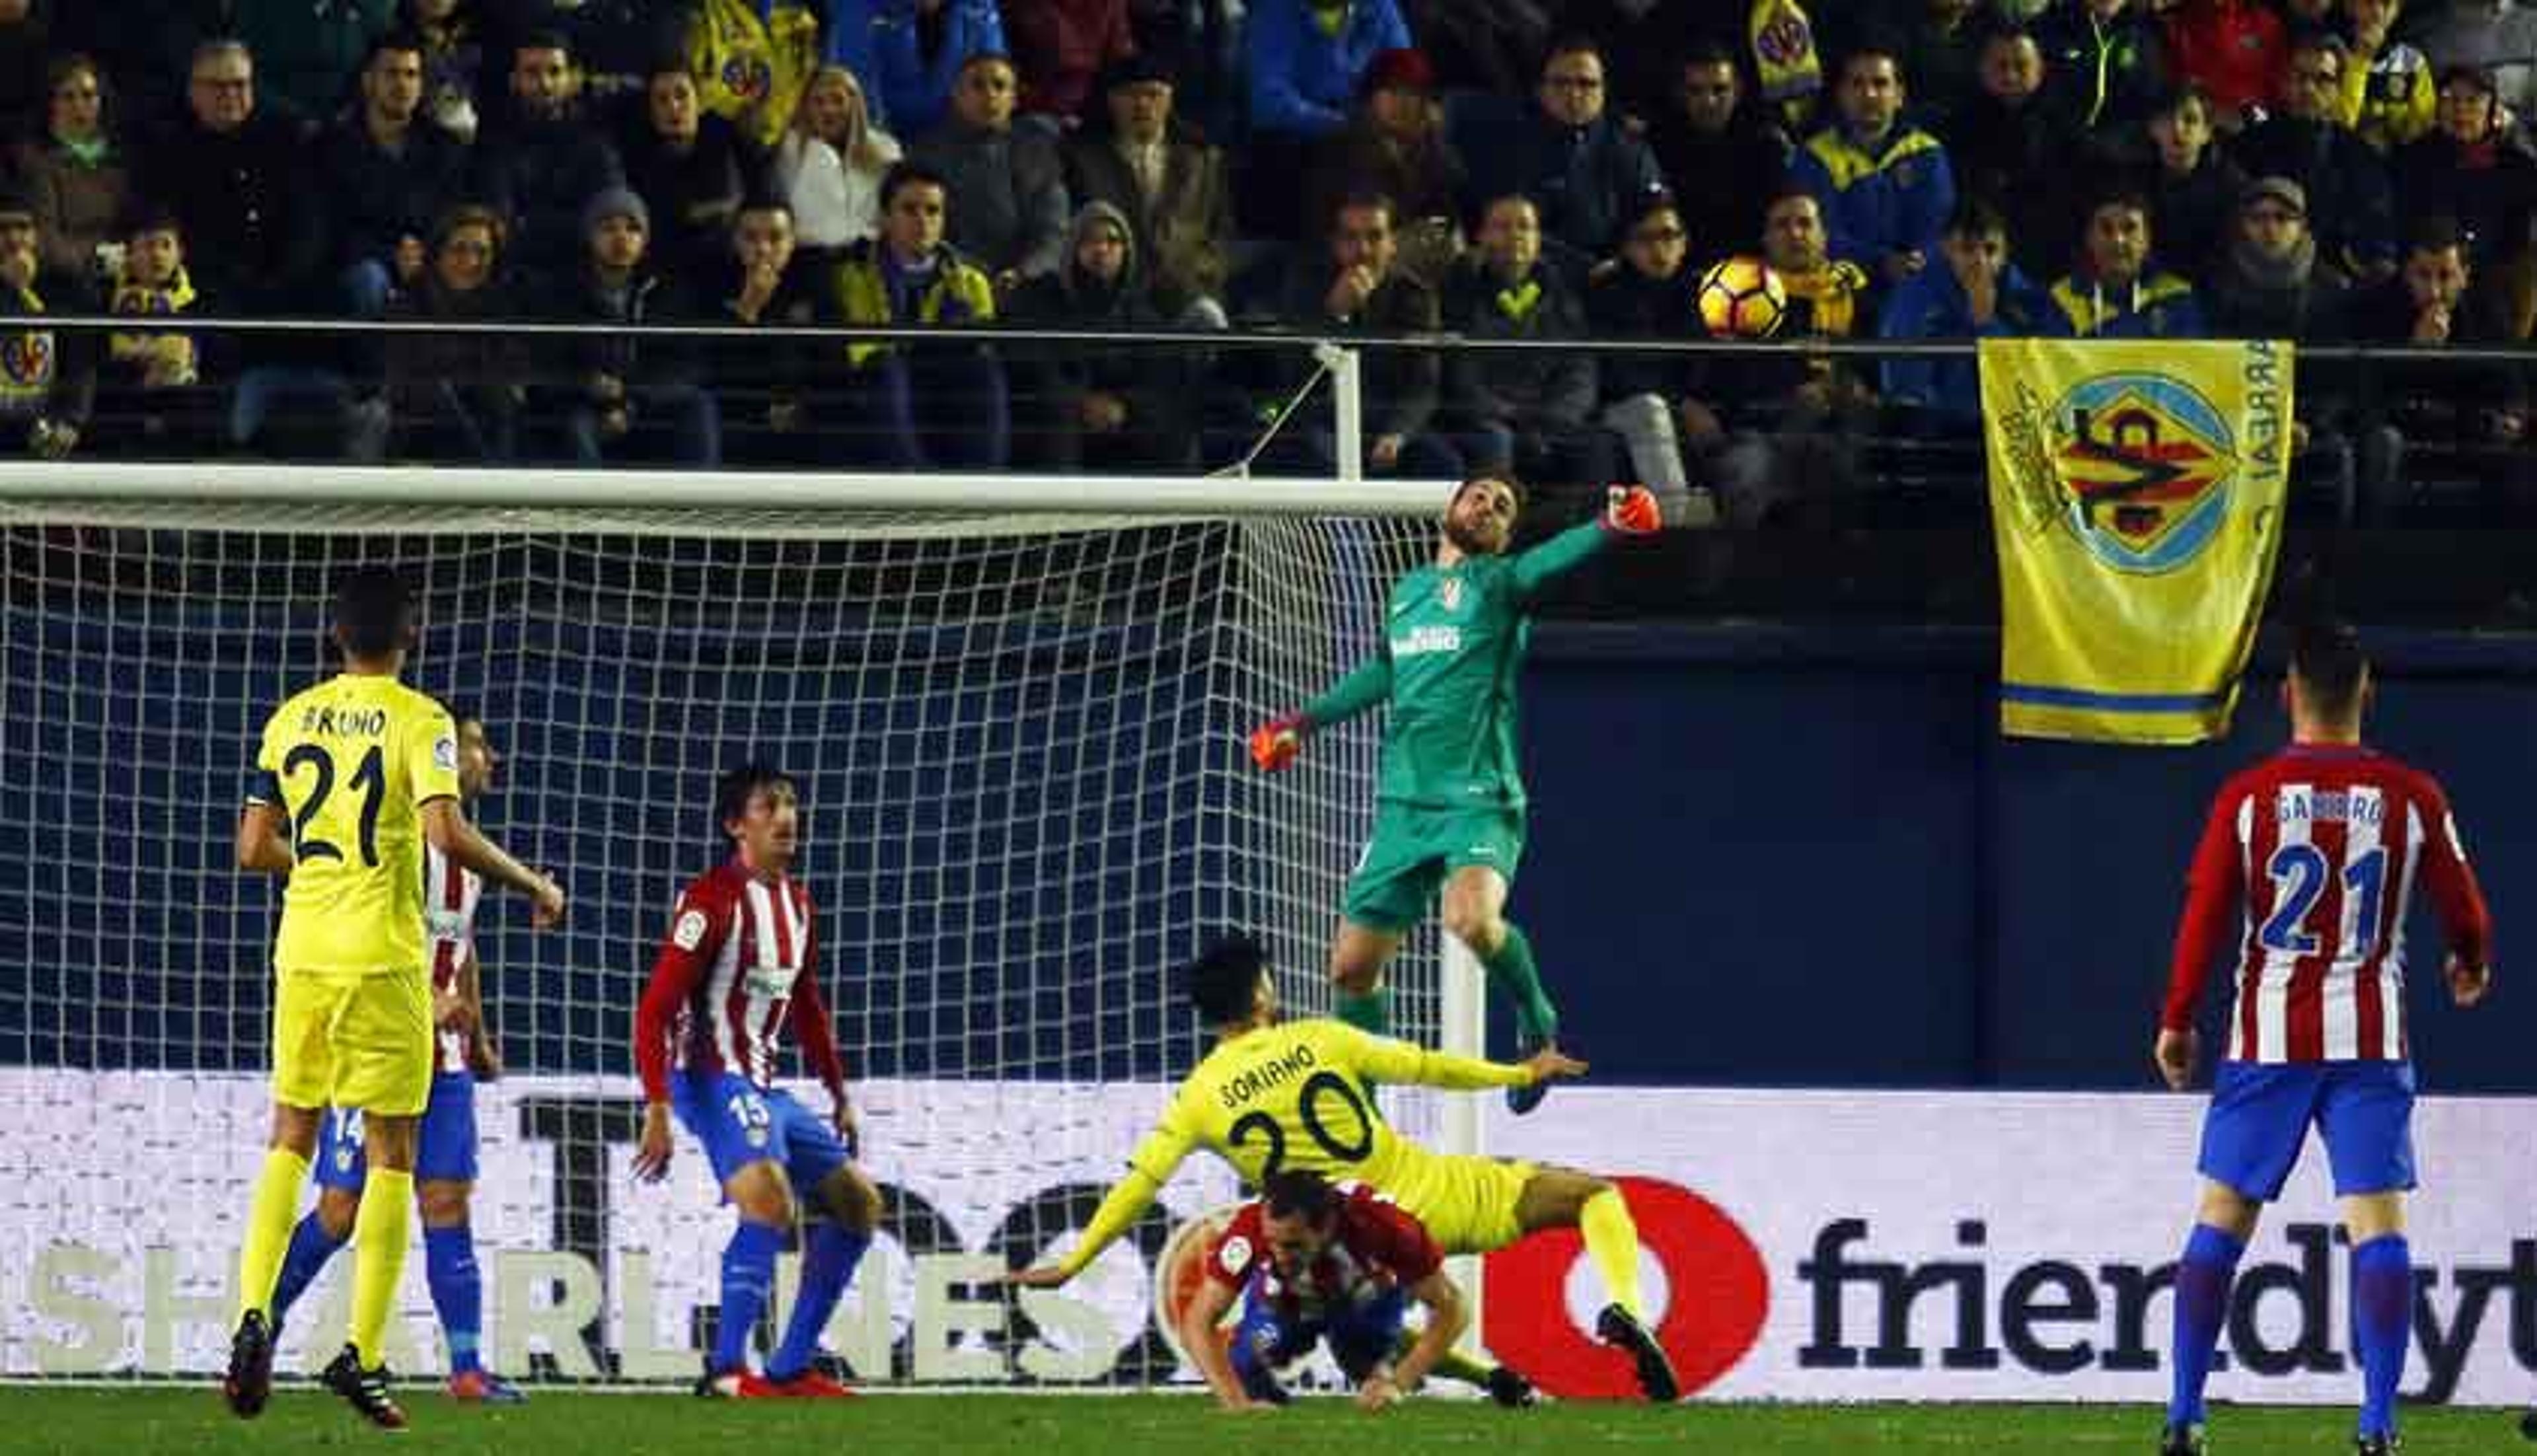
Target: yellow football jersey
1292,1095
351,761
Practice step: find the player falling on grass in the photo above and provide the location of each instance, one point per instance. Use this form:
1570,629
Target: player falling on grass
353,777
1276,1095
445,1165
1450,802
1313,1261
736,967
2323,844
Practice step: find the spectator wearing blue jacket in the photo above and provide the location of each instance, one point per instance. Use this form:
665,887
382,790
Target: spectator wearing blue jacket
1974,293
1303,63
1886,188
908,53
2114,293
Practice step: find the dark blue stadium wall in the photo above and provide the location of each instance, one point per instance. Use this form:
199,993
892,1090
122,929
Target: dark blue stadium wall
1773,857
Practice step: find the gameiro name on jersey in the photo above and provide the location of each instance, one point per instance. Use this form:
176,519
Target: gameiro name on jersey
2323,844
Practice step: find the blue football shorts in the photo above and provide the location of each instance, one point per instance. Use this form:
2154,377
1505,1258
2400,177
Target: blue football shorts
2259,1117
741,1123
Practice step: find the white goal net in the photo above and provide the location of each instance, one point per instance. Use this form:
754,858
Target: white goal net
1027,802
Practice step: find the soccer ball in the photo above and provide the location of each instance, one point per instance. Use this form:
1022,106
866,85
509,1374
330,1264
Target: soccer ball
1742,298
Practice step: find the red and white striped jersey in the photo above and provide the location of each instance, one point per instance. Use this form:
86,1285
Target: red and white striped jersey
1375,1248
450,892
2324,845
736,965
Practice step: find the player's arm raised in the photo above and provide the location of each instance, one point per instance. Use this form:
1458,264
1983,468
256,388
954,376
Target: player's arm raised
1275,743
1628,511
1199,1319
445,825
2211,895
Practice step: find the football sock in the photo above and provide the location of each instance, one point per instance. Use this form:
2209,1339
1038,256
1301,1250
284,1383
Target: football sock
1512,972
1612,1242
747,1272
829,1254
457,1291
379,1233
2382,1320
2202,1279
310,1247
268,1226
1369,1012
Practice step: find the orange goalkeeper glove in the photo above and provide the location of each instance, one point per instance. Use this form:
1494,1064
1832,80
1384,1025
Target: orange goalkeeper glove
1631,510
1275,743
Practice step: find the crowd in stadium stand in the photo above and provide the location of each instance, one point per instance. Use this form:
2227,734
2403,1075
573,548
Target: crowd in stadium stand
2325,170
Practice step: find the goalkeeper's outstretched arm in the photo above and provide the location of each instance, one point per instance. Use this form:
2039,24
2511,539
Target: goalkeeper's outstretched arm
1274,743
1628,510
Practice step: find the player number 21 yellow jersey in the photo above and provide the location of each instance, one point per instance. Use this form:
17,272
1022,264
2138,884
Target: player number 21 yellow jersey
349,762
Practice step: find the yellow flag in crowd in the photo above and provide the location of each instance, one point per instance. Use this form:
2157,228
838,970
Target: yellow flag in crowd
2136,494
750,70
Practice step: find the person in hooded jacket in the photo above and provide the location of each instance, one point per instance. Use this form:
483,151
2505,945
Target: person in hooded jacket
1106,408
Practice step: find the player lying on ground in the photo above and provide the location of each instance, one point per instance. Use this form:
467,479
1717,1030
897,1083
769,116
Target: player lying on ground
1275,1096
1450,802
738,964
2321,843
445,1161
1311,1261
353,778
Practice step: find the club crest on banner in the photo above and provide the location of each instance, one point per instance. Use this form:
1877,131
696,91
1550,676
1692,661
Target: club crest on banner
2142,463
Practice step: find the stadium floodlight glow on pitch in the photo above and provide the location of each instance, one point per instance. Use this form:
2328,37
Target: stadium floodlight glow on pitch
1016,706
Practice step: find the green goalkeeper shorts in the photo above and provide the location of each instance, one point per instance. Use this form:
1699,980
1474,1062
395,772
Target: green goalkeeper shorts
1414,848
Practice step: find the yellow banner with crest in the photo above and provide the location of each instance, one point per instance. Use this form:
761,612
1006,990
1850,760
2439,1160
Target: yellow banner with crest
2136,494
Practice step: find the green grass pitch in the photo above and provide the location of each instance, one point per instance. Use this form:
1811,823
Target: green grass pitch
47,1421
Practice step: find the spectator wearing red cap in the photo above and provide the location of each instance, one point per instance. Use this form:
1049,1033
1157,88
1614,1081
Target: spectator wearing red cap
1396,146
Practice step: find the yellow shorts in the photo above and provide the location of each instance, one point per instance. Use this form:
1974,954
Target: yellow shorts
1467,1203
351,1039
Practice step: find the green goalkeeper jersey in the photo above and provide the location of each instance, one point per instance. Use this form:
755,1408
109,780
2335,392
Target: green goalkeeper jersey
1454,644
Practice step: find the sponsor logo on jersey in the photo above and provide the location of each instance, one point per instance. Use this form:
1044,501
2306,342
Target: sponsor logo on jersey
689,931
769,980
1421,641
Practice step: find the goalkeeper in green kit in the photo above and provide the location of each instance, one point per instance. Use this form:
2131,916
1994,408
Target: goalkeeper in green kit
1449,805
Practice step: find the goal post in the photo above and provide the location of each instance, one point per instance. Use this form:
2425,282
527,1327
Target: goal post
1016,706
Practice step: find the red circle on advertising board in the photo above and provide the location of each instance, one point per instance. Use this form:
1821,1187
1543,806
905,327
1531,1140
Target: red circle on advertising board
1718,1294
